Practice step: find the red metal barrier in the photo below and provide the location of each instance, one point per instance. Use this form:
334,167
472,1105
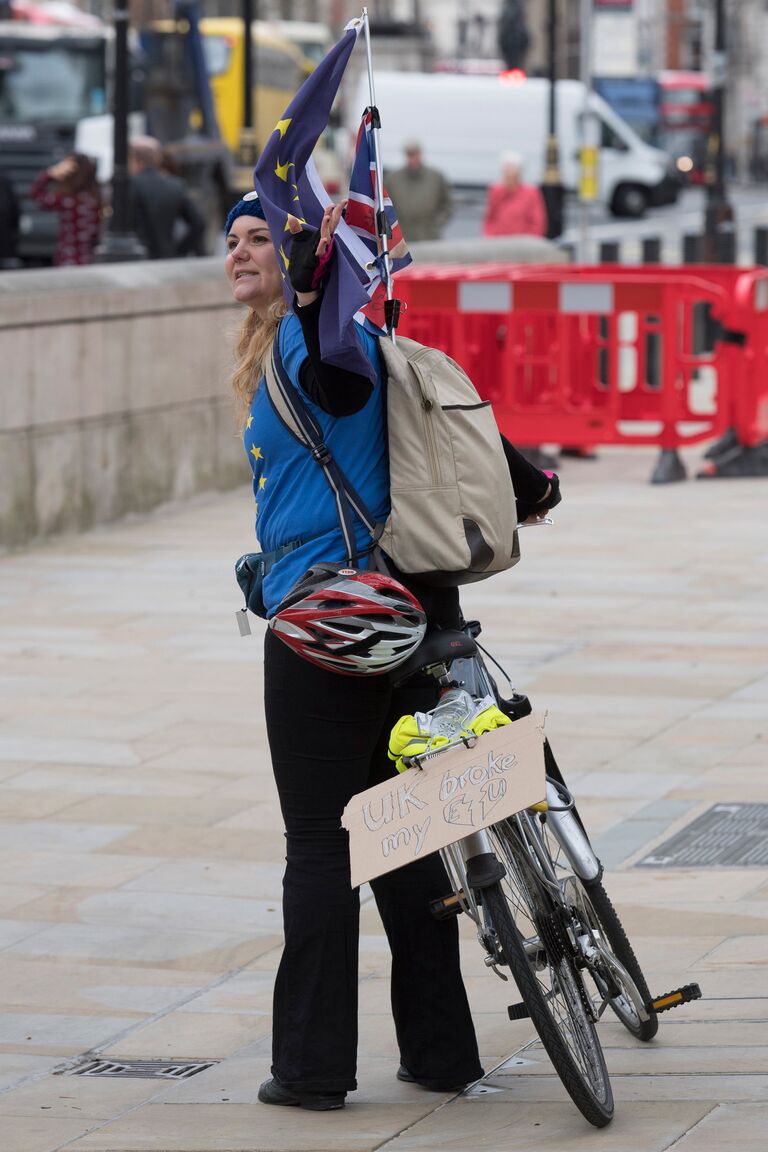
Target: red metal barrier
587,355
749,314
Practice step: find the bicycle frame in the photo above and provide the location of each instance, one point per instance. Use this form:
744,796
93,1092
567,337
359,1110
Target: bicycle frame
471,671
575,845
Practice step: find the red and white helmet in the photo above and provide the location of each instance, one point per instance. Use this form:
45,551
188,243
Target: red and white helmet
355,623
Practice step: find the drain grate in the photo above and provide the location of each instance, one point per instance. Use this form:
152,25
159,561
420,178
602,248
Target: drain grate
726,836
144,1069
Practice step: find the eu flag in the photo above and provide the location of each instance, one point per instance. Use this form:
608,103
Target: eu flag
288,185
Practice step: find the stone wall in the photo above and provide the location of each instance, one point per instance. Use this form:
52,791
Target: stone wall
114,393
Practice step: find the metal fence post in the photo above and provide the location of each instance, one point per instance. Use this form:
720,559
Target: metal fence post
651,250
609,252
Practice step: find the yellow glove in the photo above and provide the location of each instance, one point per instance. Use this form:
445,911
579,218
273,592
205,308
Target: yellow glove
409,738
411,735
491,718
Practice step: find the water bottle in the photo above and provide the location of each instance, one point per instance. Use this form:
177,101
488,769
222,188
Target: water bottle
454,709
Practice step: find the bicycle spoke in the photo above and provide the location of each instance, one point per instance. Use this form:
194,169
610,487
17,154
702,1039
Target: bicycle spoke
551,958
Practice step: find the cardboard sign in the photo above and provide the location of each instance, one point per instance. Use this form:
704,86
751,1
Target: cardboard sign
455,793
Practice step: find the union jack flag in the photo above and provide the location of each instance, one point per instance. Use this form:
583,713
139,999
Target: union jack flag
361,218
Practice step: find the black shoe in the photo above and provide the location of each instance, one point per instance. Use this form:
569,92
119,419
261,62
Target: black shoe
430,1085
273,1092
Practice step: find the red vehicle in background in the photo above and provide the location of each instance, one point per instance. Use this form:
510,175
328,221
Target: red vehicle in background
685,111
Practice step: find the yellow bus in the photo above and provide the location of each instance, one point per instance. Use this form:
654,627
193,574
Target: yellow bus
279,69
277,74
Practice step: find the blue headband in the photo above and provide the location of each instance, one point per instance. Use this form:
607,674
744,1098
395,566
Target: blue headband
250,205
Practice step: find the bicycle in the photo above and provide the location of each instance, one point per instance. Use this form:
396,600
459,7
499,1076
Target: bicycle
533,886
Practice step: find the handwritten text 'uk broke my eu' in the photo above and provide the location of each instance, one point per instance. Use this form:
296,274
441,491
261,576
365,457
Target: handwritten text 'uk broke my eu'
404,805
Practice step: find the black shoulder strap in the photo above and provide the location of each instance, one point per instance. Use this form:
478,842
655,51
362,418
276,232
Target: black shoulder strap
297,418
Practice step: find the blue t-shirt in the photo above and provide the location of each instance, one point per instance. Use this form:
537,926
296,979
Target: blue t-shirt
293,497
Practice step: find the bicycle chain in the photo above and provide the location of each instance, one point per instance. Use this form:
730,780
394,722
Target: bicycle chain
558,946
552,937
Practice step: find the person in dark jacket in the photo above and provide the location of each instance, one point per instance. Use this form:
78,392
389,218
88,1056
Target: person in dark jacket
165,218
9,223
421,196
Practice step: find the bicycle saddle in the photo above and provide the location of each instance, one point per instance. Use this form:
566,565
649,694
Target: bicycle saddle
439,647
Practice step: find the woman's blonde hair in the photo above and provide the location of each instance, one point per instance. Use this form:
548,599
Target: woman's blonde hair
253,345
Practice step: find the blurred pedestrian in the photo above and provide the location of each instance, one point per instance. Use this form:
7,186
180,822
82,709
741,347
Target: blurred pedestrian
70,188
165,217
514,208
9,223
421,196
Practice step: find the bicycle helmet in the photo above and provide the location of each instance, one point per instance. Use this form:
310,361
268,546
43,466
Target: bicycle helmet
351,622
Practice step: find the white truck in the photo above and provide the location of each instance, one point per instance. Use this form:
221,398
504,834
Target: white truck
465,122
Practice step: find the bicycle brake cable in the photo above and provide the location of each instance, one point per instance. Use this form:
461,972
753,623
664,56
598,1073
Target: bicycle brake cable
495,661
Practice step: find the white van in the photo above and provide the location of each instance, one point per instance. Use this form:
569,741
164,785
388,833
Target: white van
465,122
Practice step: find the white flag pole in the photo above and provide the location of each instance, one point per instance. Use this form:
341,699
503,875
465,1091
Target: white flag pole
382,224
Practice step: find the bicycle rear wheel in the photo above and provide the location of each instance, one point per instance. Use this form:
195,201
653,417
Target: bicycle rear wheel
532,941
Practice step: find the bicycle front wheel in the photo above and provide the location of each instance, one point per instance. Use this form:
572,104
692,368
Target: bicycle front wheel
551,990
614,933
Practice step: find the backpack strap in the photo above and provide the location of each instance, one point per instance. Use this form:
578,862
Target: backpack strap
295,415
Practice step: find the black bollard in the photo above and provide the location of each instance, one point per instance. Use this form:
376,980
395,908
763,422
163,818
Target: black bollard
761,245
692,248
651,250
725,246
609,252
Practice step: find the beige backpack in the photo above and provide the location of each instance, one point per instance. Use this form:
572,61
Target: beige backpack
453,514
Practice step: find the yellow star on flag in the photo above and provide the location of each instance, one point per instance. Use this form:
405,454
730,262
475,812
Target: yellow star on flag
281,170
262,481
249,421
282,126
289,217
256,453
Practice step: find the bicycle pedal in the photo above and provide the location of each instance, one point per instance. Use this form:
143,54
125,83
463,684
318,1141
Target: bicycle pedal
669,1000
518,1012
446,907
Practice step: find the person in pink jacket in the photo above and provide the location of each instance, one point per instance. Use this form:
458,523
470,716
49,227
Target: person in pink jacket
514,208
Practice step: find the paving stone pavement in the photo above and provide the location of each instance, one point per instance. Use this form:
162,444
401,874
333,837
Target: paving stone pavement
142,844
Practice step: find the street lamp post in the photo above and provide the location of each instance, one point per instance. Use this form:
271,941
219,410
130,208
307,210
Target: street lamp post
588,177
718,217
248,152
247,64
552,187
120,242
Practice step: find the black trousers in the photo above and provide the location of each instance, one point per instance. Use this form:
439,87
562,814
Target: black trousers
328,738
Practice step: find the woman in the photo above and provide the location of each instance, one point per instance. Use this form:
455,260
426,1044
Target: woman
70,188
328,734
513,208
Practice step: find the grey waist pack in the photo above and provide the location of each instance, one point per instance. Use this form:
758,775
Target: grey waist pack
453,515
